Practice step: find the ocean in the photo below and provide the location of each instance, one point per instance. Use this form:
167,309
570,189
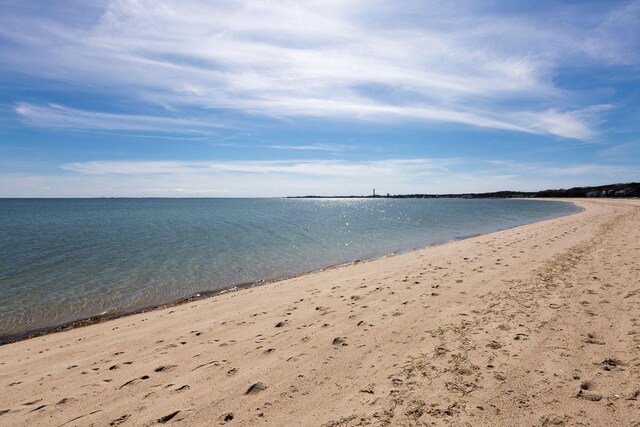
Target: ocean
62,260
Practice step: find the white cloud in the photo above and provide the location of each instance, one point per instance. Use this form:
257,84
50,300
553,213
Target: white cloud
584,170
188,191
305,177
620,151
587,172
318,168
135,168
238,178
310,147
56,116
351,60
572,124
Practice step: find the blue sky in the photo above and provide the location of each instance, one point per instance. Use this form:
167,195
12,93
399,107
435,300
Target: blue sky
274,98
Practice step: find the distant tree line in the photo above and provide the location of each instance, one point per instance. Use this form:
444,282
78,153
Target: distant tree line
611,190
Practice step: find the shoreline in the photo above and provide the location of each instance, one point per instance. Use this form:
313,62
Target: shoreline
533,325
197,296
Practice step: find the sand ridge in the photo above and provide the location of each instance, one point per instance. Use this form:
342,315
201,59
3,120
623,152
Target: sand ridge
536,325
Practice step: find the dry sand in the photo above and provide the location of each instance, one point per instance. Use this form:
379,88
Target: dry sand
536,325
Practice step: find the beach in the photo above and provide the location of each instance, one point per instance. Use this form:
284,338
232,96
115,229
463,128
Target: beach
533,325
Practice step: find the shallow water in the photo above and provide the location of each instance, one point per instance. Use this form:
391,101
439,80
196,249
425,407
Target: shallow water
67,259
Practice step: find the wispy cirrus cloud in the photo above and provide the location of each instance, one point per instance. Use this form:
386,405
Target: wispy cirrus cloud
309,147
336,168
57,116
189,191
585,170
136,168
620,151
347,60
236,178
578,124
319,177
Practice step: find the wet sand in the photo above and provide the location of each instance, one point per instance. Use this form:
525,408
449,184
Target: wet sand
536,325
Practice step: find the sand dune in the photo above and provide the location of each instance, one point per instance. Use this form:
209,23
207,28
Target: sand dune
536,325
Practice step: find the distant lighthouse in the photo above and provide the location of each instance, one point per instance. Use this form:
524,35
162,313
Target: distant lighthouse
374,192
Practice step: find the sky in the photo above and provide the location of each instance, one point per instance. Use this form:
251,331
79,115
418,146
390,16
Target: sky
153,98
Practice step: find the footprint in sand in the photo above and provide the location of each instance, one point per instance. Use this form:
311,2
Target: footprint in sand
120,420
586,392
225,418
494,345
255,388
500,376
167,418
593,339
340,341
135,381
611,363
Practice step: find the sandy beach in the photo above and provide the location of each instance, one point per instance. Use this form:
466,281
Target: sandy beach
537,325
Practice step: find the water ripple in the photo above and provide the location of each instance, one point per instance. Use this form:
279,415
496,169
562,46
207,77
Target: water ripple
62,260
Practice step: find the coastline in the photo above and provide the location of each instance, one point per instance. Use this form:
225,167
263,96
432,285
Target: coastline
532,325
119,312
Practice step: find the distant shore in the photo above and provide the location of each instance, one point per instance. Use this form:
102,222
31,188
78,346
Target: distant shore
631,189
534,325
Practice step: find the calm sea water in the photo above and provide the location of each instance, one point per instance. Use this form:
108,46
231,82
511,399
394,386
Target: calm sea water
67,259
